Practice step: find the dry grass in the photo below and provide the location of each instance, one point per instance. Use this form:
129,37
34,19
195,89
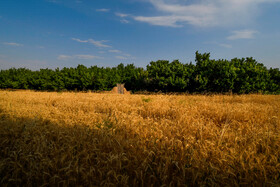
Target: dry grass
135,140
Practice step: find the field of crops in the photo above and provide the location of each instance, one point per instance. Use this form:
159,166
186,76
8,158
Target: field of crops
90,139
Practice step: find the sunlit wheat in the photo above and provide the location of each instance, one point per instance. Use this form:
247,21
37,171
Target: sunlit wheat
136,140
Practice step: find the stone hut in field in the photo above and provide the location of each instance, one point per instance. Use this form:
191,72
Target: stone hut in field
120,89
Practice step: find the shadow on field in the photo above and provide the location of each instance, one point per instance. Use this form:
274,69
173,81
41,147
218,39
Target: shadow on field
37,152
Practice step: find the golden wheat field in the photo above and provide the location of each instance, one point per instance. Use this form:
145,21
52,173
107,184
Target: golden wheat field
90,139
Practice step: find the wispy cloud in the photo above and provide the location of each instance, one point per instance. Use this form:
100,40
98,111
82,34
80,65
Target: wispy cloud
170,21
121,57
173,13
87,57
98,43
125,57
225,45
94,42
124,21
64,57
242,34
102,10
78,40
121,15
82,57
114,51
13,44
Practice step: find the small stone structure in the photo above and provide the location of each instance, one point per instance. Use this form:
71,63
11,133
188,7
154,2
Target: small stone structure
120,89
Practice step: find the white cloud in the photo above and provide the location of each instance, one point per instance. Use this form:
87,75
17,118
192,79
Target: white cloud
13,44
225,45
87,57
203,13
242,34
78,40
218,44
114,51
82,57
64,57
121,15
94,42
159,20
102,10
98,43
124,21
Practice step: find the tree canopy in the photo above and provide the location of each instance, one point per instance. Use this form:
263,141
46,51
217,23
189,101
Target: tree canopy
244,75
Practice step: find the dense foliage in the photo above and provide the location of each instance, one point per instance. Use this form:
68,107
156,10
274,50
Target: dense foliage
244,75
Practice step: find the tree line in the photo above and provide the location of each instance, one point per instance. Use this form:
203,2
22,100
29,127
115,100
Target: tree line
243,75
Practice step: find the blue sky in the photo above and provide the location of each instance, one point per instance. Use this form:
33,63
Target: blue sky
64,33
